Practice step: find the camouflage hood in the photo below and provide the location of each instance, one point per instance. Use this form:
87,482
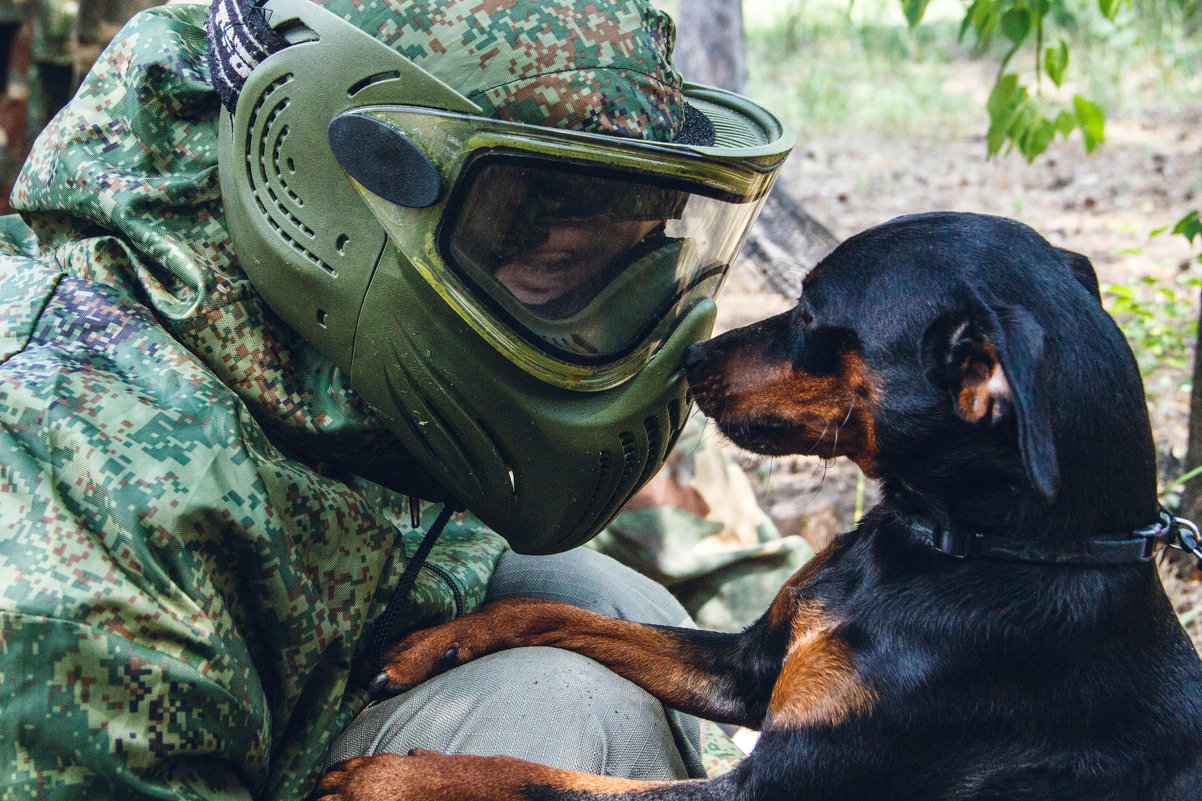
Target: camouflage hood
134,154
178,536
592,65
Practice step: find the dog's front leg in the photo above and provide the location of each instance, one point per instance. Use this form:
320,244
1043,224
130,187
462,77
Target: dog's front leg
431,776
722,677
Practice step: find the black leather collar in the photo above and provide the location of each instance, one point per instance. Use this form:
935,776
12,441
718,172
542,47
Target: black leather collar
1120,548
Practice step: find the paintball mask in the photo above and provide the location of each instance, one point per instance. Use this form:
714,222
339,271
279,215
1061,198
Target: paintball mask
514,299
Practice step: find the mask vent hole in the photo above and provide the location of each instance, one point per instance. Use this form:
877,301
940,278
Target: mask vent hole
360,85
676,410
674,415
295,32
321,317
630,457
343,239
599,502
266,131
654,442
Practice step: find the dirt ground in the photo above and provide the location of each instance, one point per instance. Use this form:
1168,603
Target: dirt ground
1147,175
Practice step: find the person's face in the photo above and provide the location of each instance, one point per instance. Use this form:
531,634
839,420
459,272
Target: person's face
574,252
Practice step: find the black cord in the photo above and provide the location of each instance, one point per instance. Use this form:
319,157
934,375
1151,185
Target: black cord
384,631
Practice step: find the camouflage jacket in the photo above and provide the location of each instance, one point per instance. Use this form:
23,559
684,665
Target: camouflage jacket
186,566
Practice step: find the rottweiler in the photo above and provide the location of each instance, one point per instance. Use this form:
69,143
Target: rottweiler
994,629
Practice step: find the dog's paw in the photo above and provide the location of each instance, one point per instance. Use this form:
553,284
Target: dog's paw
421,776
423,654
378,778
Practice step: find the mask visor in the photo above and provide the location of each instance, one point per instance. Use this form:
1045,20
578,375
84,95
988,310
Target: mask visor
575,255
584,262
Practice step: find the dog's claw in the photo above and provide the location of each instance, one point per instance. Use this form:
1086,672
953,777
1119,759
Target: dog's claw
382,685
378,684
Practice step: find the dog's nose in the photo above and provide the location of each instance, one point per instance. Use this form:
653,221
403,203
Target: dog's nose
693,356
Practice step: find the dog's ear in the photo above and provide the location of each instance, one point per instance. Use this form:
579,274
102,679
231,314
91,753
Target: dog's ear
1082,270
988,359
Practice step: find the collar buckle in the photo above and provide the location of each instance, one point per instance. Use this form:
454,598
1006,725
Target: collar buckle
953,544
1172,531
1183,535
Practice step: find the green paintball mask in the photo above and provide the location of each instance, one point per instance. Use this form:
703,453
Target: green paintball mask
513,299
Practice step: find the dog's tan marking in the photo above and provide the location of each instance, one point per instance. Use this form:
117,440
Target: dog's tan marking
818,684
431,776
828,415
656,659
984,389
783,611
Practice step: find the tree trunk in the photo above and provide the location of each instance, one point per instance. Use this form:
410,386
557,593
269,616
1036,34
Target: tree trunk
709,43
786,241
1191,492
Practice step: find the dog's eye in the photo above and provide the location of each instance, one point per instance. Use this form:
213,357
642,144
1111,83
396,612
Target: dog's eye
804,318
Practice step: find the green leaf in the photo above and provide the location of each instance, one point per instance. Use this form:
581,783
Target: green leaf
1005,107
1022,128
1016,24
914,9
1041,134
1092,120
1055,62
1110,8
972,16
1066,123
1006,94
1189,226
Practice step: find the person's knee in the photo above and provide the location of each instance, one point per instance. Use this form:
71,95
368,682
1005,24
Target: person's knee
589,580
545,705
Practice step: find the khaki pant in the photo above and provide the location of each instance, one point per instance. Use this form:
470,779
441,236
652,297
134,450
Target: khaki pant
545,705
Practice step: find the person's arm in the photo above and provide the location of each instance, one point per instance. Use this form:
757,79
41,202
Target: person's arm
175,620
88,713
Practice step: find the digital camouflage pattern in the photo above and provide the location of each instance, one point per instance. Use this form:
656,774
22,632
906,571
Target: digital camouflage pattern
592,65
186,568
187,562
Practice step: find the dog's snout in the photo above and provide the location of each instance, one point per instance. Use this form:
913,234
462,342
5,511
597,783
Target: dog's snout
693,355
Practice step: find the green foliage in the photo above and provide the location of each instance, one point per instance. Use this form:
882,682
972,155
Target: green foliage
1055,62
1189,227
1160,321
1020,119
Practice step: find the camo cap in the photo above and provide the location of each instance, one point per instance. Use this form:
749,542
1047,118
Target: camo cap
601,66
593,65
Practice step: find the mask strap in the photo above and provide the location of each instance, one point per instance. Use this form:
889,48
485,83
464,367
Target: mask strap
385,629
239,40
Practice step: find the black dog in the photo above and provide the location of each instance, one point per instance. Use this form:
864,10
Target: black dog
994,629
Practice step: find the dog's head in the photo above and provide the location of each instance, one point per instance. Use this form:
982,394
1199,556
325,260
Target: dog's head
960,358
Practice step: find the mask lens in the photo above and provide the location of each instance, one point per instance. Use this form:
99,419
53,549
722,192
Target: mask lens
583,262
